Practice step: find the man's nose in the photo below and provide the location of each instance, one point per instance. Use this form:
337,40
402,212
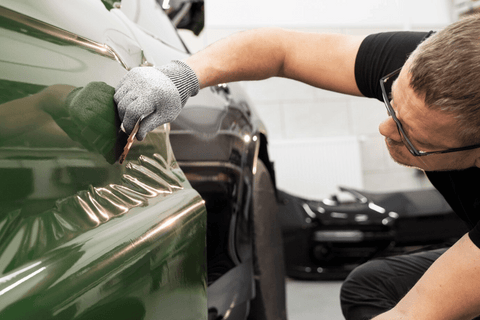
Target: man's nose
388,129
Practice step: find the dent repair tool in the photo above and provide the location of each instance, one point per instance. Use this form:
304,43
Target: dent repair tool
131,139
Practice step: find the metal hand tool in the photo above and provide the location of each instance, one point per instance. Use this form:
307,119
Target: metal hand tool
131,139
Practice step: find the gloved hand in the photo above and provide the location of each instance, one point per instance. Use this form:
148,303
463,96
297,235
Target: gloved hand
163,91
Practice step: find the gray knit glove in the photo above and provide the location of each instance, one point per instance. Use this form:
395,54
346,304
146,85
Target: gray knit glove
158,94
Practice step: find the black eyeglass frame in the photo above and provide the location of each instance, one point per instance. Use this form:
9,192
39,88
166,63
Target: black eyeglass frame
410,147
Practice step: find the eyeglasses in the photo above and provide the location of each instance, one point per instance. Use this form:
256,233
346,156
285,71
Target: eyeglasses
414,151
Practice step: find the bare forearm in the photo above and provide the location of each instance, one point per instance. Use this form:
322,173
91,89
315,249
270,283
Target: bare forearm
250,55
323,60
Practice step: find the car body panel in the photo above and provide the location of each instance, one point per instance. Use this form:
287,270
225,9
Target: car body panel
327,239
216,142
81,238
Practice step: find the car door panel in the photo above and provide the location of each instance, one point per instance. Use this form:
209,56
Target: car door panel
81,238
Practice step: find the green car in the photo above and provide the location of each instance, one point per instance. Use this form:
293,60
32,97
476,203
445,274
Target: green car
185,228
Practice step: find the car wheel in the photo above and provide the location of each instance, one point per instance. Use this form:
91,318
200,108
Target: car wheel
269,263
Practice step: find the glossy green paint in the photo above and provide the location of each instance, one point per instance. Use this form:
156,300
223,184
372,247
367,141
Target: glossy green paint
81,238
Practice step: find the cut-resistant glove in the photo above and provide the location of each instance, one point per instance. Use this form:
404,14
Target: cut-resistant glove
158,94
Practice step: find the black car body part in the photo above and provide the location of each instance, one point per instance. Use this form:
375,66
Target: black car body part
327,239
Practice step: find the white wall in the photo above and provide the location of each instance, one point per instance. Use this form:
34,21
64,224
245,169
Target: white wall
325,13
295,112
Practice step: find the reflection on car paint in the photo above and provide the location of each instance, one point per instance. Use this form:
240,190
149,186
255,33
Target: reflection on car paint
55,240
14,21
82,237
59,233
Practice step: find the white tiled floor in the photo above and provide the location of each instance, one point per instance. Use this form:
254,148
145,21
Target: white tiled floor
313,300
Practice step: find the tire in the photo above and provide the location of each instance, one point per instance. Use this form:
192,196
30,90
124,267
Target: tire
269,264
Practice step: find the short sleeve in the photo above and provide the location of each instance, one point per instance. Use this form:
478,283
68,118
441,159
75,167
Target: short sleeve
381,53
474,235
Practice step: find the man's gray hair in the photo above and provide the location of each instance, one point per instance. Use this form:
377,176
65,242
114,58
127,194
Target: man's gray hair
445,70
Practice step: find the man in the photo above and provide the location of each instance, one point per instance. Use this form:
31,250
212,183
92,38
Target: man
433,99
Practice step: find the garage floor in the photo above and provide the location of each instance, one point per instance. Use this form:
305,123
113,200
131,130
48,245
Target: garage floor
313,300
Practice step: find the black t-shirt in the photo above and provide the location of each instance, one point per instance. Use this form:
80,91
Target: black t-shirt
382,53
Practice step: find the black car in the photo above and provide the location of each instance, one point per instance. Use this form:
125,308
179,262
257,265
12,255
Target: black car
325,240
